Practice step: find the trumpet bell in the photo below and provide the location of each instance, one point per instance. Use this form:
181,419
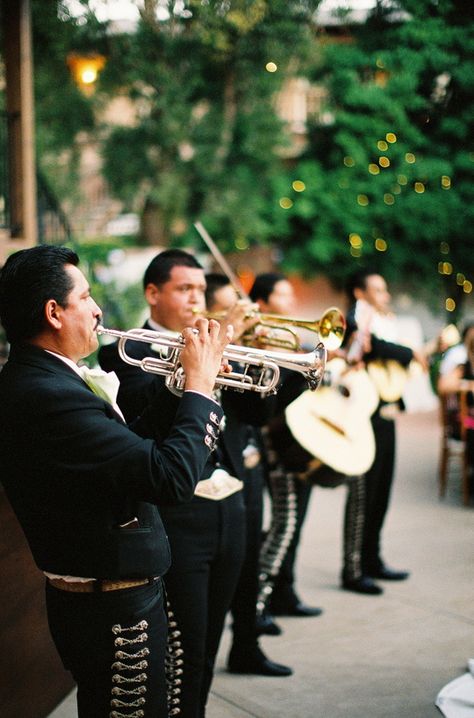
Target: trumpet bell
332,328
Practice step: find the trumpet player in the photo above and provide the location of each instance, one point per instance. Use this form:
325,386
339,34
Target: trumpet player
369,288
207,535
241,441
274,294
85,487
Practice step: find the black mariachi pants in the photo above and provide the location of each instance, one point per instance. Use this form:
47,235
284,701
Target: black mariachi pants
378,485
114,644
207,540
284,594
244,603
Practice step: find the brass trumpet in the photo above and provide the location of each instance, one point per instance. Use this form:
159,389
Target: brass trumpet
260,369
330,328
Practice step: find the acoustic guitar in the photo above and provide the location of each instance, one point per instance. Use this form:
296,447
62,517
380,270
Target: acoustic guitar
326,436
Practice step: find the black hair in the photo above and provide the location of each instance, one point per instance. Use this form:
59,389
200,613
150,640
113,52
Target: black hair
467,328
159,270
264,285
214,281
29,279
358,280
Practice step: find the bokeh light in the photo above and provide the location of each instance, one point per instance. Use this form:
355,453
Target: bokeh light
298,186
355,240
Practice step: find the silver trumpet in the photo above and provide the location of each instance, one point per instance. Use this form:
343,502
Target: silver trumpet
259,369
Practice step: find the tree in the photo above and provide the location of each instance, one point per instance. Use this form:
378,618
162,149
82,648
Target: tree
390,180
206,139
60,108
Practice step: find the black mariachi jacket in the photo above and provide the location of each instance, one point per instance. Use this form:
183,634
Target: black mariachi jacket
73,471
242,409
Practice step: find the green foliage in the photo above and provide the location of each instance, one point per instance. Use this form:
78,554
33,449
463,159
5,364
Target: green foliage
206,142
61,110
207,138
122,305
402,206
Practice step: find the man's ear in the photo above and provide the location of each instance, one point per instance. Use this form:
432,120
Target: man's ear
152,294
359,293
52,314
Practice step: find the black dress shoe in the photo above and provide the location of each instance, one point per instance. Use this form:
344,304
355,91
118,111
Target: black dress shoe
364,584
266,625
388,574
297,609
256,663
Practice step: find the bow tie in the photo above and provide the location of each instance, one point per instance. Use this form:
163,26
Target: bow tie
104,384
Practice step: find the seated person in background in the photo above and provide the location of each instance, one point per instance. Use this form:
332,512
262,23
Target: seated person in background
443,353
461,377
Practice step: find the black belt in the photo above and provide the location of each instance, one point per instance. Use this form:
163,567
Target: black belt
97,584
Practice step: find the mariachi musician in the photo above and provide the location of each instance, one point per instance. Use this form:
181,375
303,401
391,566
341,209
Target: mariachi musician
326,439
381,350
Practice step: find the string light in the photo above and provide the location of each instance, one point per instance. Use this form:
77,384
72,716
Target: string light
460,279
271,67
388,198
374,169
298,186
446,182
410,158
355,240
391,137
241,243
467,287
363,200
450,304
382,145
286,203
380,245
384,161
349,161
402,179
419,187
444,248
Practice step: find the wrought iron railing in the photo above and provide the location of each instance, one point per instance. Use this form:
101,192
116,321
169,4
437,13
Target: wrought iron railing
53,225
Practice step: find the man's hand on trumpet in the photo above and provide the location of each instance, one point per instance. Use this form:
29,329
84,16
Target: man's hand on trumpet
243,317
201,357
